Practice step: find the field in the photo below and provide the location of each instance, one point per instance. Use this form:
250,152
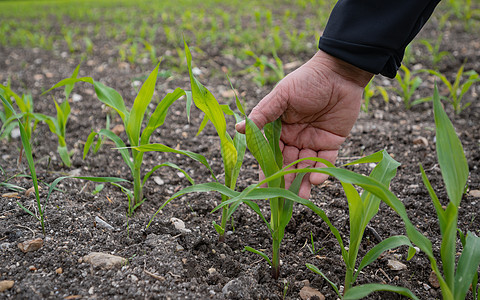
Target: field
249,45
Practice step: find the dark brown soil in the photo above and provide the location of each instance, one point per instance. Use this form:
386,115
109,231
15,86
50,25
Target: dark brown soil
166,263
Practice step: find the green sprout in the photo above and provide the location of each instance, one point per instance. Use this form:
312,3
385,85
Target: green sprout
408,85
458,275
456,89
133,120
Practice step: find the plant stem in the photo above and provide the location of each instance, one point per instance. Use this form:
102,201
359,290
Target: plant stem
137,185
276,258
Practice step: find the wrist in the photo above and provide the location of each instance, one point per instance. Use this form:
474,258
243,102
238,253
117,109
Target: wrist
345,70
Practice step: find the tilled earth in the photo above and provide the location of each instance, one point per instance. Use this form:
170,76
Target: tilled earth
168,262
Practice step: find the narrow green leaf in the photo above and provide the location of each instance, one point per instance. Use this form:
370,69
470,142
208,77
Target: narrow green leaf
88,143
362,291
158,117
317,271
202,188
442,219
167,164
162,148
387,244
467,265
259,147
263,255
137,113
451,157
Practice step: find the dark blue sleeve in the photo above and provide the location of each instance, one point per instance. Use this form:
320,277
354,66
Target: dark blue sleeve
373,34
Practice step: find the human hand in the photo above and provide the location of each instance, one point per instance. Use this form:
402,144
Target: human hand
319,104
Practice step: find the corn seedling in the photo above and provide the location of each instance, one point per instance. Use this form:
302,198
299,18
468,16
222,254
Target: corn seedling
262,75
433,49
133,120
232,150
25,105
409,83
457,89
455,282
370,91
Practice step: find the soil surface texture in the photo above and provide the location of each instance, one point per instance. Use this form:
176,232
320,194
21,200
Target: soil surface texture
179,256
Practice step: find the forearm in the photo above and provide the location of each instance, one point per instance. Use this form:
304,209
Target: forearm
373,34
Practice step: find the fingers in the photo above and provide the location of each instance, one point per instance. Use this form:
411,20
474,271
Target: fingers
270,108
331,156
292,154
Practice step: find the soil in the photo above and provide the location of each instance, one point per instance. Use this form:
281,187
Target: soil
163,262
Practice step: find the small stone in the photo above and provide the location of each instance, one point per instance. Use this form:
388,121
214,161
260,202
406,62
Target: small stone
118,129
32,268
15,133
76,97
90,291
433,280
5,246
134,278
6,285
38,77
179,225
212,270
31,245
59,271
196,71
474,193
308,292
101,223
396,265
104,260
180,175
158,180
420,141
222,256
179,248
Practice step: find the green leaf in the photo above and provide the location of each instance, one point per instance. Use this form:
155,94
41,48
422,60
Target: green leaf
120,146
362,291
207,103
261,150
442,219
158,117
167,164
162,148
88,143
467,265
64,155
387,244
263,255
451,157
143,99
202,188
317,271
272,133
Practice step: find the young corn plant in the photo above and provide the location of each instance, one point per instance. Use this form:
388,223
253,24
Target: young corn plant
433,49
25,105
457,89
370,91
408,85
232,150
133,120
261,67
459,274
58,125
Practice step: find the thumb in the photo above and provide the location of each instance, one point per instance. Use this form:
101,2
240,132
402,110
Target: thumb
270,108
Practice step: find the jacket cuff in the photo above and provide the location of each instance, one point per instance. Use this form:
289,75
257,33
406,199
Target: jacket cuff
371,59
